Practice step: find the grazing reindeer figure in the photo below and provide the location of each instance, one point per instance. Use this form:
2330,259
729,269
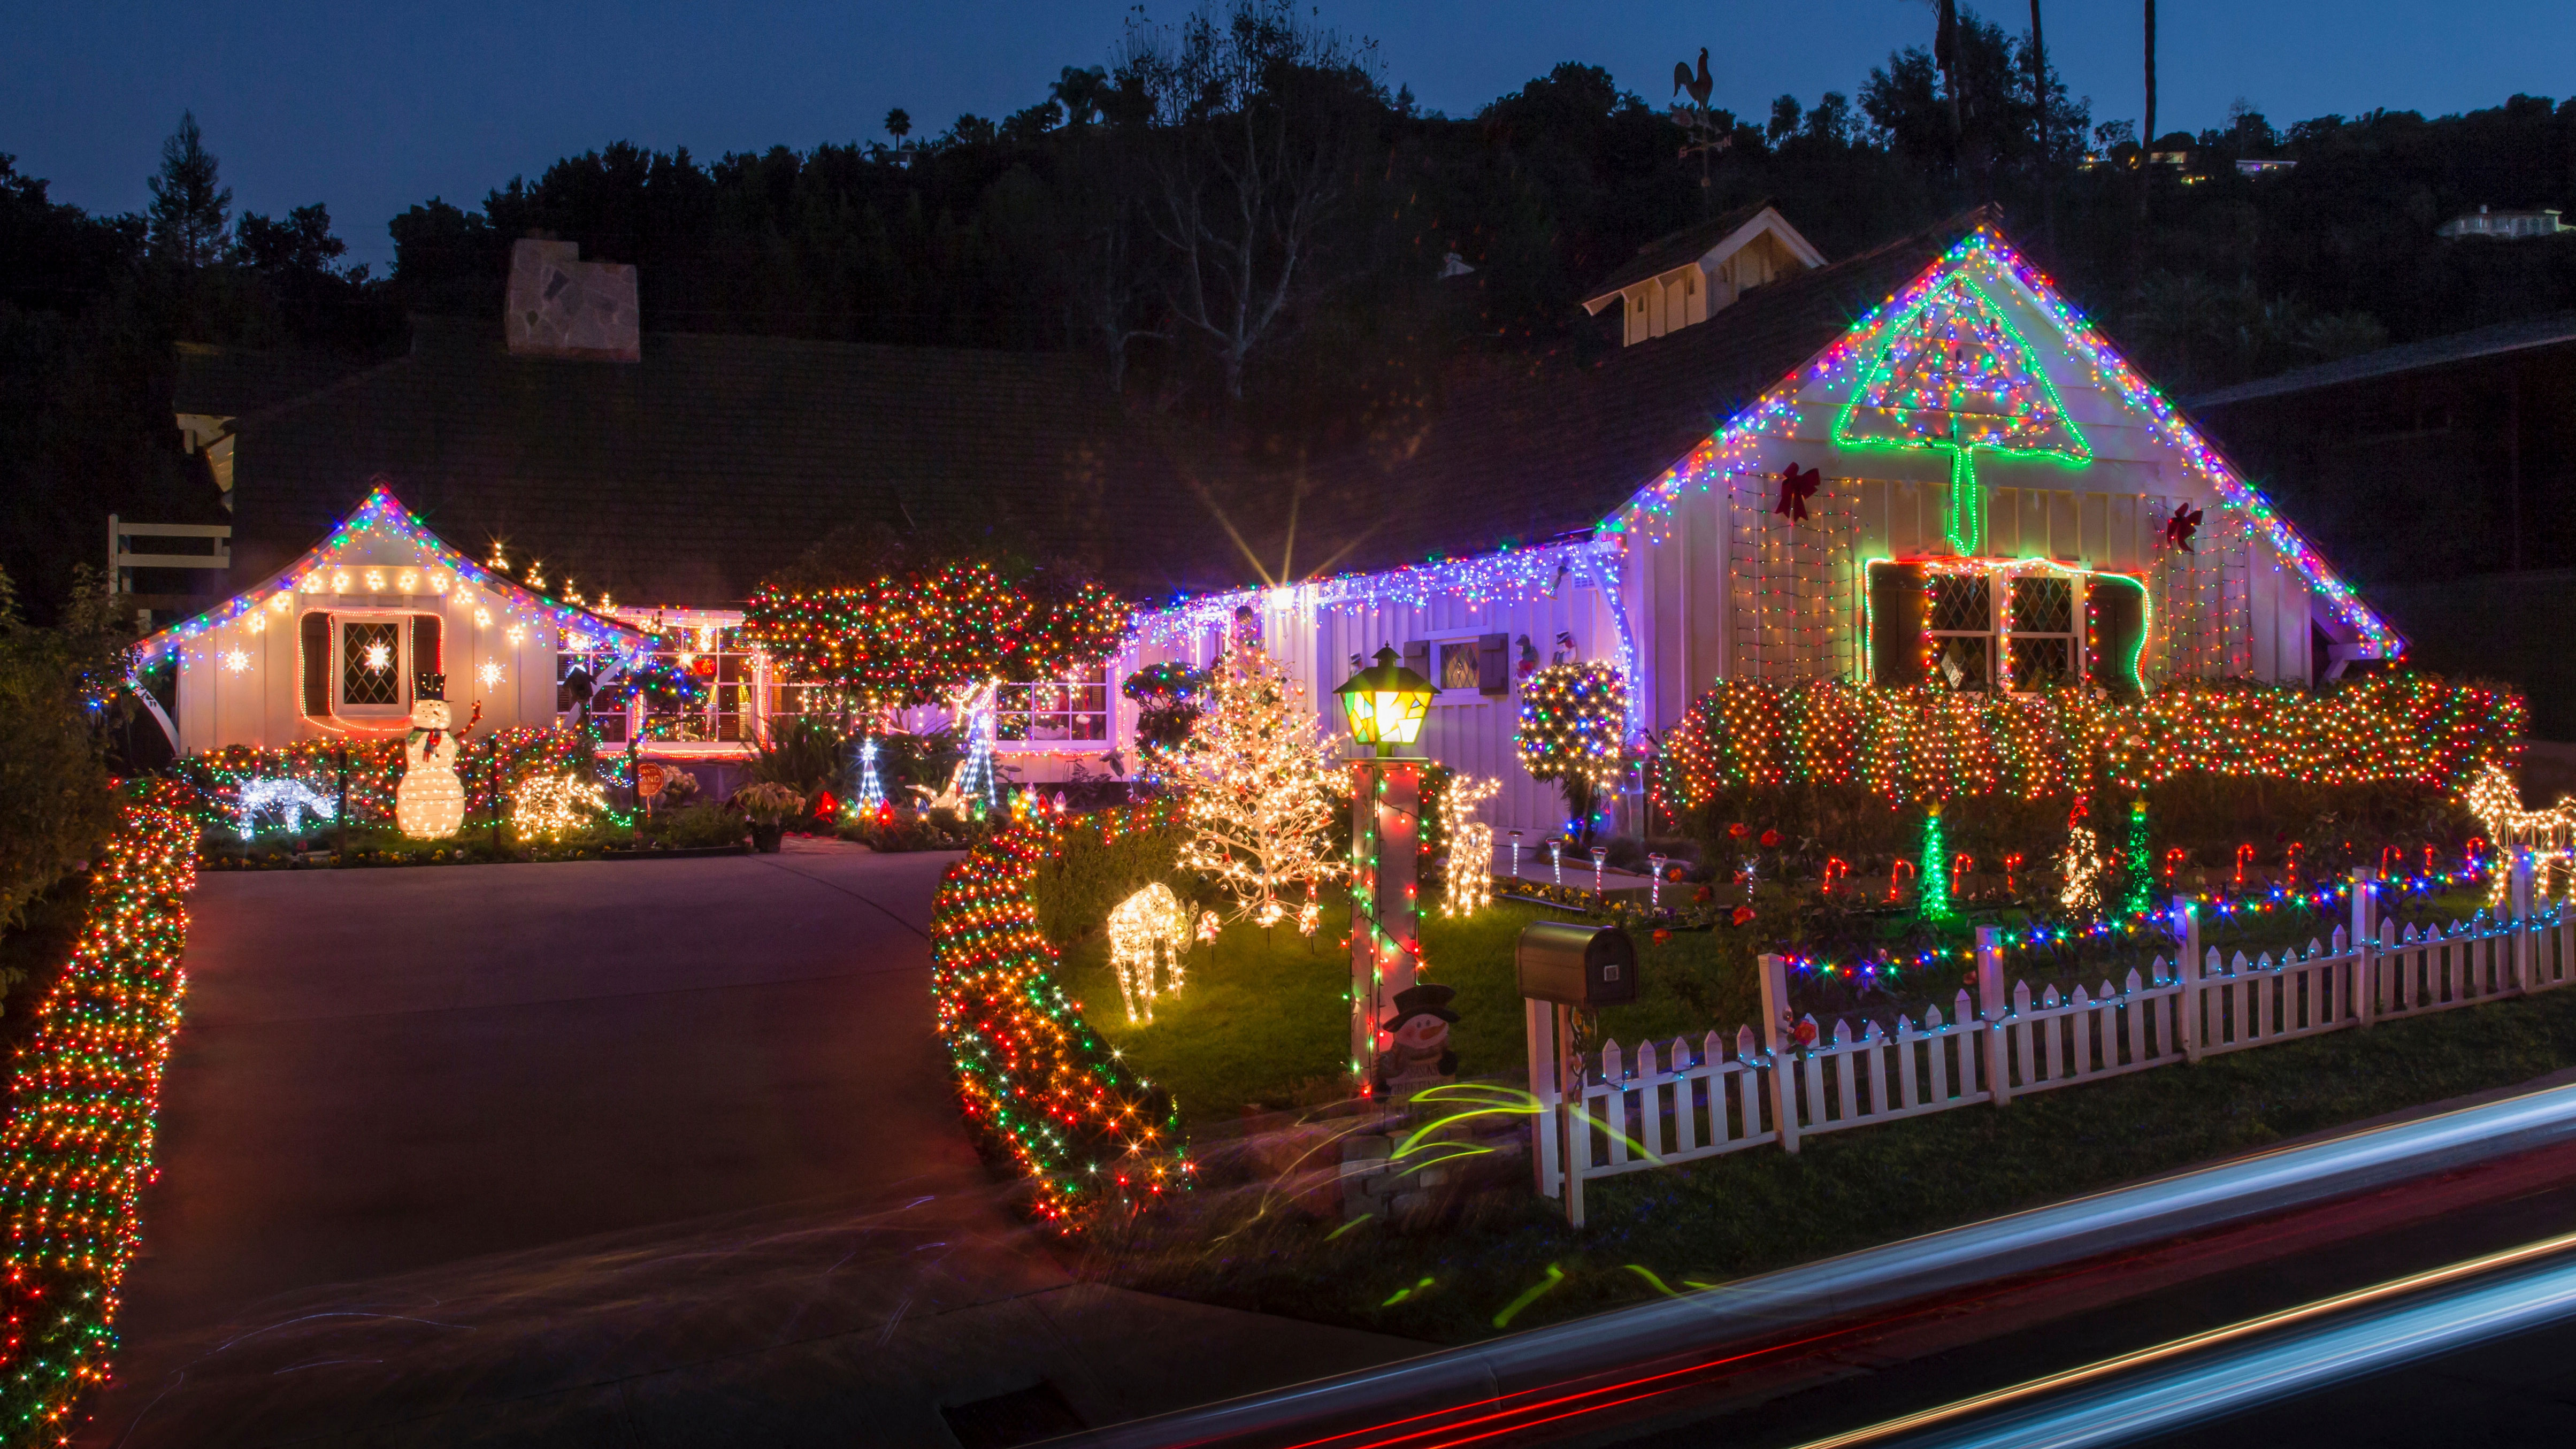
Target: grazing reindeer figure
2550,833
1148,929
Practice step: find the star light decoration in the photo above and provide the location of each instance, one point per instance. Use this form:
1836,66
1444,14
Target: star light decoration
380,656
1922,743
1736,450
378,518
1035,1080
85,1092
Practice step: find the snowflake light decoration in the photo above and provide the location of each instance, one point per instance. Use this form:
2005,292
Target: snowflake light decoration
380,656
489,672
237,660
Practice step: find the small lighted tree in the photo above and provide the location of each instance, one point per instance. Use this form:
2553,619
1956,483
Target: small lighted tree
1257,776
1572,721
1954,375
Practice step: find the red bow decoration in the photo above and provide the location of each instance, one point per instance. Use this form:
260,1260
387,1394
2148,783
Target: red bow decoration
2179,528
1796,487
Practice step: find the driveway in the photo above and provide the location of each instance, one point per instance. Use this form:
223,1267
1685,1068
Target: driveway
634,1152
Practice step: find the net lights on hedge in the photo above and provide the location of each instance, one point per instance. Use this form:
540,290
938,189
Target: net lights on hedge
1033,1078
327,568
84,1096
1931,743
1985,261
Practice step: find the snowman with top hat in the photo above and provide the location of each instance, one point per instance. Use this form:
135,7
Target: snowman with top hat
429,804
1418,1054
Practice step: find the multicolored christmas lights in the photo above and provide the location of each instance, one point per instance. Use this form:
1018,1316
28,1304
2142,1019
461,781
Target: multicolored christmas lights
1932,893
1571,724
217,778
1952,373
912,640
332,567
1737,450
84,1095
1929,743
1035,1081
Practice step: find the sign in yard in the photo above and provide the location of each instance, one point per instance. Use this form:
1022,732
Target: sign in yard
650,778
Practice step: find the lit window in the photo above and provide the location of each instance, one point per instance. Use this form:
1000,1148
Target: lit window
1071,710
2043,631
1962,627
1460,667
370,664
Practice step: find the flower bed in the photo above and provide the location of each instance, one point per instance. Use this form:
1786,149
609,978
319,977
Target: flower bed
77,1148
1037,1084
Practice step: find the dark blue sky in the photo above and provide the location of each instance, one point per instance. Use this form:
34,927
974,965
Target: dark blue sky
372,108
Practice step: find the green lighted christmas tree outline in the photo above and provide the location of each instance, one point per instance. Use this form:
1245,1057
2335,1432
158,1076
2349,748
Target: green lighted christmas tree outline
1965,525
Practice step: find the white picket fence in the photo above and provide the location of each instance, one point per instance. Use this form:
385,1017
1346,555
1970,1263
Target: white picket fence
1657,1107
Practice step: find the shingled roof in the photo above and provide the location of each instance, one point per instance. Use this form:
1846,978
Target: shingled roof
1520,455
688,477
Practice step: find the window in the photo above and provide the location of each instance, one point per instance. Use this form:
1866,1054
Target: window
1962,629
1460,664
1074,709
371,665
2043,631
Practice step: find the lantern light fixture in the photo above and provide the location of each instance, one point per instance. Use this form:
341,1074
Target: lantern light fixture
1385,703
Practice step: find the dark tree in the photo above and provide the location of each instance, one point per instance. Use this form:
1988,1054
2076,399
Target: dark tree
190,207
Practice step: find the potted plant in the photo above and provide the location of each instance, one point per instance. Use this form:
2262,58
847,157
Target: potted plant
768,804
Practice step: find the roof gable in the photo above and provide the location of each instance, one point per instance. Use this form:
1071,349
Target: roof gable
1709,244
1984,260
381,518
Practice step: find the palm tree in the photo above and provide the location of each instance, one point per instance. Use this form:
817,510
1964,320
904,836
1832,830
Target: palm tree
2147,132
2039,98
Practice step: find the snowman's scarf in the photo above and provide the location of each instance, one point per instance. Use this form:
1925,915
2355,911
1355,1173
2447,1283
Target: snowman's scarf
418,731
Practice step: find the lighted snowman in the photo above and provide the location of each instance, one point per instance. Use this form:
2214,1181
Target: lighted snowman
429,804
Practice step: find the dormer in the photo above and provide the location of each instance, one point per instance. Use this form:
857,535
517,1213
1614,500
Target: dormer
1696,273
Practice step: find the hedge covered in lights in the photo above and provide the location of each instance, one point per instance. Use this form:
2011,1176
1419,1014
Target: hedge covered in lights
84,1091
1926,743
1036,1083
216,777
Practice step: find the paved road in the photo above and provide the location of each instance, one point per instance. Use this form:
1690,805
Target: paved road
635,1152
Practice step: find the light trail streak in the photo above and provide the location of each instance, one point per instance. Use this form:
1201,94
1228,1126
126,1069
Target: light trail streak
2258,1373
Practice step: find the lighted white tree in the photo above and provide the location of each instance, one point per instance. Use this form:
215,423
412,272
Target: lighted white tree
1257,775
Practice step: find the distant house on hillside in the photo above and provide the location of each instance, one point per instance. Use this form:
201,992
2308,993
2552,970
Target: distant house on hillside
1698,272
2503,225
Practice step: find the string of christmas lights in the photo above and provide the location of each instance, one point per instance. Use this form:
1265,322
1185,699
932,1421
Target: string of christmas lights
1507,575
1571,724
85,1091
1736,452
328,568
1929,743
910,640
216,778
1033,1078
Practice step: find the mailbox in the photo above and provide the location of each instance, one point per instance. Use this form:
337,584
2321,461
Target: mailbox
1573,964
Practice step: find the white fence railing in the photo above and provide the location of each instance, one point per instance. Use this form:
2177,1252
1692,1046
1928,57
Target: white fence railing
1659,1106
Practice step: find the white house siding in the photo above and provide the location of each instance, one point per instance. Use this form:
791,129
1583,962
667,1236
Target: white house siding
262,705
1792,592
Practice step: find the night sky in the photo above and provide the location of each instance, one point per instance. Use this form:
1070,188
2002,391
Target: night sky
370,109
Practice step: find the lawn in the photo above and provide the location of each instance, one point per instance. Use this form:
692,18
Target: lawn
1727,1217
1261,1022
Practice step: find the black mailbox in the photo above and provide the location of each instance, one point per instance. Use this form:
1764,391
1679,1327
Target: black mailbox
1573,964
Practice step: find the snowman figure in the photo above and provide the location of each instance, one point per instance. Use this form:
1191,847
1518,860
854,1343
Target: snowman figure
1419,1055
429,804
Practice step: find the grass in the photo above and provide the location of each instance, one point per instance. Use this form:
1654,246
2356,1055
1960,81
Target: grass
1724,1218
1262,1021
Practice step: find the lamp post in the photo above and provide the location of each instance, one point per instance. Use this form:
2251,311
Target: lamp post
1384,706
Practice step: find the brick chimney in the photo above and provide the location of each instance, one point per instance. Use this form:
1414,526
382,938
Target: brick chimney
562,306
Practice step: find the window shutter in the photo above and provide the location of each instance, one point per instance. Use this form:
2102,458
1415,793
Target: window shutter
1417,657
1493,664
2116,606
1896,623
426,657
313,635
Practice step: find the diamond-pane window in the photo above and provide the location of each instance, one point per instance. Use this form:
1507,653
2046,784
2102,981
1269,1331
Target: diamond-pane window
371,664
2043,605
1961,602
2042,661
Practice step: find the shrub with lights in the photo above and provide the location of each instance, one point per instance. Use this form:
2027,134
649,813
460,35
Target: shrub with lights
1037,1085
85,1090
914,639
217,779
1572,721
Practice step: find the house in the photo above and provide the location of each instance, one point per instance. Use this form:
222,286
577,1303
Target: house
1916,464
344,637
2000,501
2502,225
1698,272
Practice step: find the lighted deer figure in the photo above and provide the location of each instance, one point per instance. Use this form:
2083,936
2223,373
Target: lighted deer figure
1148,929
2550,833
